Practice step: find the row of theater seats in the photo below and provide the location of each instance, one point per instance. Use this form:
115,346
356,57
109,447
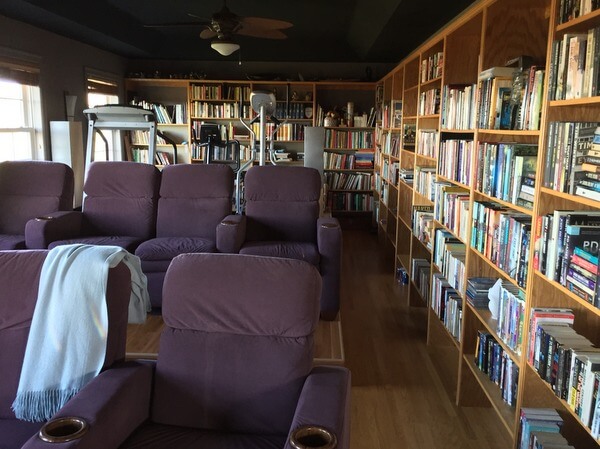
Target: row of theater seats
234,368
183,209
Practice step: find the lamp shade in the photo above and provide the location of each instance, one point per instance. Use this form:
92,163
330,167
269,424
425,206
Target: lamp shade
224,47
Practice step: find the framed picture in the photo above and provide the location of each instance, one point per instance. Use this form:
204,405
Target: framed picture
396,114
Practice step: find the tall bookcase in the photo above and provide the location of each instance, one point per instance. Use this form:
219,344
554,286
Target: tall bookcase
429,223
349,149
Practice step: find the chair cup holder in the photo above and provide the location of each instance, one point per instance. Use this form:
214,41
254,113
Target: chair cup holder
313,437
44,218
61,430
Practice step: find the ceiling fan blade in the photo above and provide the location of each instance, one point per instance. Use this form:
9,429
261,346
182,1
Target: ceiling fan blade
175,24
260,32
207,33
266,24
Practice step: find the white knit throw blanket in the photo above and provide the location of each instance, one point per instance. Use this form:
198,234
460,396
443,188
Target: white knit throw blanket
67,339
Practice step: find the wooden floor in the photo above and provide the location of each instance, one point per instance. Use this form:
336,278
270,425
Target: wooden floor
398,396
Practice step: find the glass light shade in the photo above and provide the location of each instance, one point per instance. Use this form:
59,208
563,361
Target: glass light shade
224,47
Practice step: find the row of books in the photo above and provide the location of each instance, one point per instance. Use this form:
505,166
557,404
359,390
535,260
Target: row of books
507,171
510,99
429,102
285,132
349,181
423,181
420,274
510,324
572,162
432,66
574,68
428,142
502,236
219,110
566,251
449,256
494,107
447,305
348,161
391,144
493,361
458,106
455,160
571,365
140,155
357,202
139,137
335,138
169,114
539,428
390,171
452,208
571,9
422,224
220,92
163,158
291,111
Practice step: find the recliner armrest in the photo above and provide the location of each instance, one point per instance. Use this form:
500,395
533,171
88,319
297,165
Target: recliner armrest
329,242
231,233
41,231
325,401
113,404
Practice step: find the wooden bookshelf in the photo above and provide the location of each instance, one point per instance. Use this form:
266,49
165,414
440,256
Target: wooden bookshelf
486,35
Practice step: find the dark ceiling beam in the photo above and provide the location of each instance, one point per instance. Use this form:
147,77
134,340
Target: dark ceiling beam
367,23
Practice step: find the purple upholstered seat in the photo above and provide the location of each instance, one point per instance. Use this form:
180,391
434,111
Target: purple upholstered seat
19,274
194,198
234,367
119,208
282,220
29,189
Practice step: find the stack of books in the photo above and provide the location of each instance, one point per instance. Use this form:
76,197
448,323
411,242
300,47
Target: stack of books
540,428
477,291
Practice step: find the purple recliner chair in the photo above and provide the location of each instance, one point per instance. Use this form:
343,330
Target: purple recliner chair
119,208
282,220
30,189
19,276
234,368
193,201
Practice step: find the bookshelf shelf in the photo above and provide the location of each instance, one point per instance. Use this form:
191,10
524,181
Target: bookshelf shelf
443,329
457,131
485,317
565,291
421,199
571,198
431,82
426,158
506,132
452,181
429,116
506,413
585,101
502,202
580,23
446,228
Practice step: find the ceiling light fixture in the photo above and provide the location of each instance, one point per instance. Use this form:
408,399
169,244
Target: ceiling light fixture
224,46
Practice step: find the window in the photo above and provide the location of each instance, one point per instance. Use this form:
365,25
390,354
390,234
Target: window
20,113
103,89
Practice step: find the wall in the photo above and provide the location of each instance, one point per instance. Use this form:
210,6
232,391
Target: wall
62,66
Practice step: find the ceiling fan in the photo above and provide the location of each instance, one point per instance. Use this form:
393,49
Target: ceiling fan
224,24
